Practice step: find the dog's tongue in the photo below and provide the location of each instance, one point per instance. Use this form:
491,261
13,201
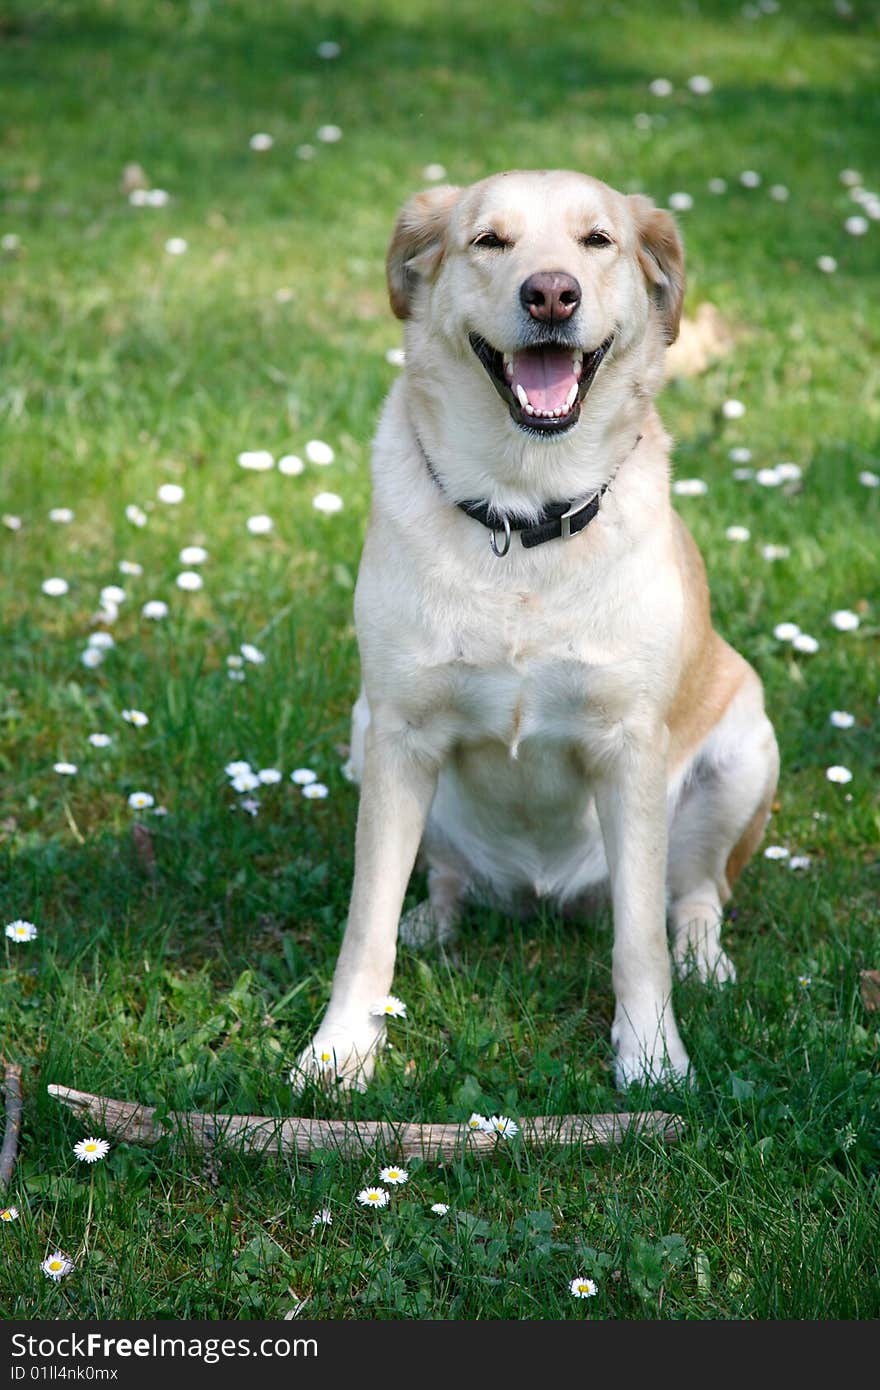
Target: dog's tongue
546,375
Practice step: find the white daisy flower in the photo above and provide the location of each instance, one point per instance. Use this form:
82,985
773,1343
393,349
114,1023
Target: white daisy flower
315,791
322,1218
61,515
749,178
738,533
10,242
327,502
690,487
55,586
583,1288
171,494
245,782
65,769
91,1150
779,193
501,1125
717,185
804,981
56,1266
252,653
660,87
440,1208
257,460
291,465
827,264
236,675
478,1123
869,479
329,134
740,454
269,776
733,410
789,472
856,226
234,661
838,774
249,804
786,632
395,1176
20,930
305,151
193,555
8,1213
841,719
155,609
190,581
776,852
135,717
176,246
805,643
681,202
261,141
373,1197
112,595
92,657
700,85
329,48
135,515
100,740
130,567
799,862
260,525
141,801
303,776
775,552
389,1007
850,177
743,475
156,197
395,357
319,452
768,477
236,768
844,620
102,640
434,173
12,523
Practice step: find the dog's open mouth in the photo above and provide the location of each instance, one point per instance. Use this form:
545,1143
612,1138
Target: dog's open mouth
543,387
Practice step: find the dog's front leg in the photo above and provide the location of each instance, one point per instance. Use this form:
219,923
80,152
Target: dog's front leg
397,788
631,802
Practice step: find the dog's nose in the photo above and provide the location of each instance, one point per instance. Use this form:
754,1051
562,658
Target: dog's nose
550,296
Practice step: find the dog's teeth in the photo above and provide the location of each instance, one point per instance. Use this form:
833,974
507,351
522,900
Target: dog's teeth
571,397
577,361
508,365
522,397
530,409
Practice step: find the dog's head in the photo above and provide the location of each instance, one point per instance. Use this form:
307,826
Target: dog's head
540,282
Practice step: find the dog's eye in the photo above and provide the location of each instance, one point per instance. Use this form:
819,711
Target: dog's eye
490,241
595,238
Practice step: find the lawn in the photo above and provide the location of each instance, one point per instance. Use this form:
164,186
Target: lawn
183,959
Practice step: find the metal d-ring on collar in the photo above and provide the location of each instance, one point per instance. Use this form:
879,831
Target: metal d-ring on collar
493,539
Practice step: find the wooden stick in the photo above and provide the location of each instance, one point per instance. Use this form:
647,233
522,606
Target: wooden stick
259,1134
12,1094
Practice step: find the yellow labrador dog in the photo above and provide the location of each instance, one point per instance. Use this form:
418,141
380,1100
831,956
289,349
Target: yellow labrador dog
545,707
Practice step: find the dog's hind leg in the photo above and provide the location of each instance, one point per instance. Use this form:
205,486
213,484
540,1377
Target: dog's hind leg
717,825
434,921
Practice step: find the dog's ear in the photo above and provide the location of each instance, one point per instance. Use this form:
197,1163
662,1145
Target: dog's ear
661,257
418,243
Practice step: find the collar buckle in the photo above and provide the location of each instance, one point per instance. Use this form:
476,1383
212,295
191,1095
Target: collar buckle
574,510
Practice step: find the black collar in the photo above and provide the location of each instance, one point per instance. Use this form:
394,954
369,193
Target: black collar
558,520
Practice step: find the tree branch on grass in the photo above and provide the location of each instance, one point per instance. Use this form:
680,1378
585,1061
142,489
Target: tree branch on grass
260,1134
13,1101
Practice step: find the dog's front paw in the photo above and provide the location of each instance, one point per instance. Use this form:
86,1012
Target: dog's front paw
655,1057
339,1056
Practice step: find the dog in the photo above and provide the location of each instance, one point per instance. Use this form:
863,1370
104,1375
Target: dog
546,708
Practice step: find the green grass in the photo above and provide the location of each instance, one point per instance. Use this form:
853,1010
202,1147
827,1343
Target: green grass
124,367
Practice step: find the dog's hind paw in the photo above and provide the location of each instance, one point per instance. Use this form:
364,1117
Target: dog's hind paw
424,926
657,1059
337,1057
